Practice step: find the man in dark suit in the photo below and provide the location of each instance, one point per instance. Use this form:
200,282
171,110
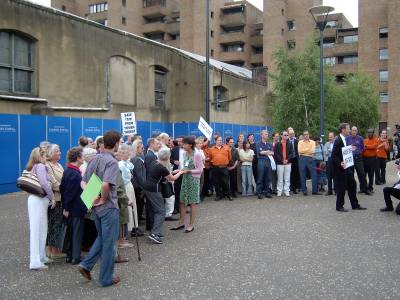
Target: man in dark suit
154,146
344,177
177,163
294,173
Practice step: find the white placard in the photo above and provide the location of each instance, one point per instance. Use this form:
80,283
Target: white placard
205,128
128,123
347,153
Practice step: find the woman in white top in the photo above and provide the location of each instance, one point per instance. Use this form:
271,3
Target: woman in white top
246,157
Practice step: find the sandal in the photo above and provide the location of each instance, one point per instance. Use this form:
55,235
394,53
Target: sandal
178,227
121,260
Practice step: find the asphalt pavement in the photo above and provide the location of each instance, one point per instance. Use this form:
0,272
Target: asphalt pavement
281,248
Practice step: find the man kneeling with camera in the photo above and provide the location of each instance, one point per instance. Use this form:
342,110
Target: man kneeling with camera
392,191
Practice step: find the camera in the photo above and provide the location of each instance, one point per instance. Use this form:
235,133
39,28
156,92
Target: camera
397,162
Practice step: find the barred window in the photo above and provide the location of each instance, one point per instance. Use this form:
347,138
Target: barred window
16,63
160,86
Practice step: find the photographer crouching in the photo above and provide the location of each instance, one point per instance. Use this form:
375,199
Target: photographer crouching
392,191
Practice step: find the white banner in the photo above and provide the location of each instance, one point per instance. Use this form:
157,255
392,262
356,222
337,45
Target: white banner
347,153
205,128
128,123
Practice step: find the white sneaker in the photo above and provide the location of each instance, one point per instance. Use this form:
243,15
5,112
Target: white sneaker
287,194
42,267
48,261
279,194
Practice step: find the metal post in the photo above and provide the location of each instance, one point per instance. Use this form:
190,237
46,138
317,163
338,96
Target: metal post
321,81
207,100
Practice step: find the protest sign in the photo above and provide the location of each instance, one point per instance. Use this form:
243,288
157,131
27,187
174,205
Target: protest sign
128,123
205,128
347,153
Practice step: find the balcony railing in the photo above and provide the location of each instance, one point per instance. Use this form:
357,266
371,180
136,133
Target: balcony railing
149,3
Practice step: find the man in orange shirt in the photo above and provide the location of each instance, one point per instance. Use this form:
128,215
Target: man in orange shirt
219,157
369,155
381,153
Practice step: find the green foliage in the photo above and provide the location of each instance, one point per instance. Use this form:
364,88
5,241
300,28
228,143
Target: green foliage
296,86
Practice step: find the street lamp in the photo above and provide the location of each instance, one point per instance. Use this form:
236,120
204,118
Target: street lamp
320,15
207,100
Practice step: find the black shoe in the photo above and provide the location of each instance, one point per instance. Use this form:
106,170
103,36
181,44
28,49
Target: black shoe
175,212
155,238
359,208
136,232
328,194
316,193
367,193
342,210
171,219
268,196
386,209
305,193
234,196
294,192
260,196
230,198
378,183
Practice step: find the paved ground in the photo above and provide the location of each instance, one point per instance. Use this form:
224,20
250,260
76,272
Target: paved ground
280,248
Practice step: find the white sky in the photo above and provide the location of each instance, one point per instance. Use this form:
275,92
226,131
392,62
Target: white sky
348,7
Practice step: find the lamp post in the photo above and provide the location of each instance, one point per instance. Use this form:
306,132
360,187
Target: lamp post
207,100
320,16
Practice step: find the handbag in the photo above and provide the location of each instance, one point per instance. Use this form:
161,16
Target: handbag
166,189
28,182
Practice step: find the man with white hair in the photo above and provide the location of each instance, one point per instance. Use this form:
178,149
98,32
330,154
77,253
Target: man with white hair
164,139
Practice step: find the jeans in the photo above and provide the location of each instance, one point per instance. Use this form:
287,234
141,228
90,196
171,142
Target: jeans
306,163
283,179
247,180
264,172
329,174
107,225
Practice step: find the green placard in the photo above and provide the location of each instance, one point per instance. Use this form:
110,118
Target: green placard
91,191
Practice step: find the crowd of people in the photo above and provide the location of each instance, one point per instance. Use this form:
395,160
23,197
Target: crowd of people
148,183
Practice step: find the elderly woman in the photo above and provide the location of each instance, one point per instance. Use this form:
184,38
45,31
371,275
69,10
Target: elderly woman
37,211
56,230
138,175
125,153
87,154
167,191
155,173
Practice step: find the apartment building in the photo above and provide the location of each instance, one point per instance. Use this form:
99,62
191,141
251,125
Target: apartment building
235,36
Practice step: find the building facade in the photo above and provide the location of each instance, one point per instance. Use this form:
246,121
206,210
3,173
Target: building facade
56,63
181,24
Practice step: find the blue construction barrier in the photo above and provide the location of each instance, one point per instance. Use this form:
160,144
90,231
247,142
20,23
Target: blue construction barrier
19,134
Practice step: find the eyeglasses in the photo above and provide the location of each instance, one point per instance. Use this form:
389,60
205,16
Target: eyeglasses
285,135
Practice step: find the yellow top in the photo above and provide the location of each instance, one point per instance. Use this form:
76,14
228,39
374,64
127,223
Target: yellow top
306,148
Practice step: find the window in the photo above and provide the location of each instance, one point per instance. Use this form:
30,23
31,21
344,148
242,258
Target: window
212,15
282,12
148,3
383,54
256,65
348,60
350,39
103,22
212,52
382,126
383,75
160,86
291,25
99,7
123,21
291,44
212,33
341,79
383,32
16,63
384,97
233,29
330,61
233,48
282,31
63,8
123,3
233,10
221,98
157,36
332,24
160,19
257,49
175,36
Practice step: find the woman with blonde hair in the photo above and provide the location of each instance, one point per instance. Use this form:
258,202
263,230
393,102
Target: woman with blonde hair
37,211
138,175
56,230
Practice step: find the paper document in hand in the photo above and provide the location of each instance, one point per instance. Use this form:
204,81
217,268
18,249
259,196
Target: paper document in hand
205,128
347,153
91,191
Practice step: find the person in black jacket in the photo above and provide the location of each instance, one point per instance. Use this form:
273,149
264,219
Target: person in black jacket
283,154
74,209
294,172
343,176
392,191
138,176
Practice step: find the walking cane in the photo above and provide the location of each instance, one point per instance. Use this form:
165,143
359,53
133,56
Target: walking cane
137,240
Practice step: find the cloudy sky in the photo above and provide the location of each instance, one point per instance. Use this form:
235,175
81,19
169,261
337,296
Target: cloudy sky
348,7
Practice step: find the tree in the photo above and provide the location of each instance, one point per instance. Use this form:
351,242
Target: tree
296,87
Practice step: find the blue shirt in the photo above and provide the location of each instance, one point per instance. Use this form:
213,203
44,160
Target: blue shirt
319,153
261,146
357,141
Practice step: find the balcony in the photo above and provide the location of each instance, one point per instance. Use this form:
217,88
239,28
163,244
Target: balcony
256,40
343,69
339,49
233,19
154,8
256,58
154,27
173,27
227,38
173,43
233,56
329,32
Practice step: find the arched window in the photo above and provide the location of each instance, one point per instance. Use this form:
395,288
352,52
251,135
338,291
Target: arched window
122,80
16,63
160,86
221,98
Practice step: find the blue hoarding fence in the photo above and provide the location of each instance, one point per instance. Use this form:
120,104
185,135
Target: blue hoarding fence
19,134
